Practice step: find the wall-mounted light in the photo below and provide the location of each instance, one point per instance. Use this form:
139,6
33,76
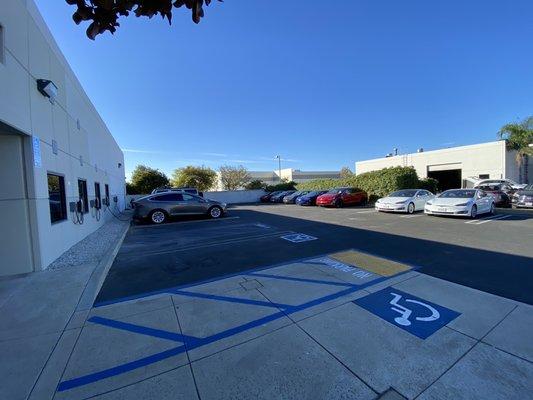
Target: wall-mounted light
47,89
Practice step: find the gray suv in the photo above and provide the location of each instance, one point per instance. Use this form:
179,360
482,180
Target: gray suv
159,207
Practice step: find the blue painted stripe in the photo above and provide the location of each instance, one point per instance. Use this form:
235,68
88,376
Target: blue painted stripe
199,342
143,330
120,369
230,299
290,278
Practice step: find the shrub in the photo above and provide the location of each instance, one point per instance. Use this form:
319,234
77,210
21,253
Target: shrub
281,186
429,184
375,183
255,185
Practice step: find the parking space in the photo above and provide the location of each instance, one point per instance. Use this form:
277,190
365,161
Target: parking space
281,301
339,325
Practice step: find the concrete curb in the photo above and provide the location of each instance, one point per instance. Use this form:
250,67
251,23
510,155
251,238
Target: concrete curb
99,274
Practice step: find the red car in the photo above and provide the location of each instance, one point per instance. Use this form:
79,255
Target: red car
340,197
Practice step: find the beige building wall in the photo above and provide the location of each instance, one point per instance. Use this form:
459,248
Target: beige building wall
490,159
73,139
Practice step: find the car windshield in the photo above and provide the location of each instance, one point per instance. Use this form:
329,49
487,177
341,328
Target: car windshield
458,194
315,193
335,191
403,193
490,187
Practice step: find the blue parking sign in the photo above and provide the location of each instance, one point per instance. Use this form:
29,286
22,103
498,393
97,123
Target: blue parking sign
417,316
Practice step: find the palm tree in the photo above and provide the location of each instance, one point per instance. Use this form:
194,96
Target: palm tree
519,137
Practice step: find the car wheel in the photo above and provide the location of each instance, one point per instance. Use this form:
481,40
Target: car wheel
473,212
338,203
410,208
158,216
215,212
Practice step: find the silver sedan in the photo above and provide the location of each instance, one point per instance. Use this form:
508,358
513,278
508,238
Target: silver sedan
159,207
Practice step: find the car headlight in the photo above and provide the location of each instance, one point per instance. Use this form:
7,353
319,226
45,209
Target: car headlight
429,203
401,202
461,205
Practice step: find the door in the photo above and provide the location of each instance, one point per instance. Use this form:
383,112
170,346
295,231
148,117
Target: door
483,202
16,248
193,204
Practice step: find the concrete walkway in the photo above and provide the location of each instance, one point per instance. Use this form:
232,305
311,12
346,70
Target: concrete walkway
320,328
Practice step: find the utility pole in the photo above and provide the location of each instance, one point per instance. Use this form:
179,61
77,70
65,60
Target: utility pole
279,166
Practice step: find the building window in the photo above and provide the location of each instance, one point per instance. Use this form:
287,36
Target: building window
57,199
97,195
106,188
82,192
484,176
2,45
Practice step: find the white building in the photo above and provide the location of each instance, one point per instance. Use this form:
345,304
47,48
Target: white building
287,174
51,154
453,166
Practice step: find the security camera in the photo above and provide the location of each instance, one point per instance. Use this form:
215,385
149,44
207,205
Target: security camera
47,89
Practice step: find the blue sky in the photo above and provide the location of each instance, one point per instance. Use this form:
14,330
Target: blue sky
323,86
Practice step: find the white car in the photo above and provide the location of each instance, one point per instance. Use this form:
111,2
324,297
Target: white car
407,200
461,203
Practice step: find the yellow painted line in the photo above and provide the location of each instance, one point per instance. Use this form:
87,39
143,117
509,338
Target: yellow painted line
377,265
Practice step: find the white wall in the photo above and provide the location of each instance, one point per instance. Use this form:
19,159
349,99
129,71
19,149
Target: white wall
30,54
229,197
486,158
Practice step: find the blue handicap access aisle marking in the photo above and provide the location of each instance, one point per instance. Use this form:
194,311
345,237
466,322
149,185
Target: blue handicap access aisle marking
417,316
188,343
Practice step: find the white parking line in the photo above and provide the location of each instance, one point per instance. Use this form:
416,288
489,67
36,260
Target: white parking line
488,219
366,212
411,216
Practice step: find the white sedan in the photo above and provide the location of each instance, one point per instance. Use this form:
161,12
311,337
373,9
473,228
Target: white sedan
407,200
461,203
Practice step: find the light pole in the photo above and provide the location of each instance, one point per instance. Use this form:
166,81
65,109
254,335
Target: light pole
279,166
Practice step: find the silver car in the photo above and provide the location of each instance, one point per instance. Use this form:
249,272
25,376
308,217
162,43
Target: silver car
407,200
157,208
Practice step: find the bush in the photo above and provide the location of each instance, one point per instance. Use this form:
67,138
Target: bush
255,185
429,184
375,183
281,186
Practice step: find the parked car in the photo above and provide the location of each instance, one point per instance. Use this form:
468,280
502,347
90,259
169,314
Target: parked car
266,197
340,197
461,202
511,183
501,192
157,208
309,199
279,197
291,198
184,189
523,198
407,200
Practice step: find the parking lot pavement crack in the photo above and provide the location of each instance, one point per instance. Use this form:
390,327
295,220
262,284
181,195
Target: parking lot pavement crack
186,349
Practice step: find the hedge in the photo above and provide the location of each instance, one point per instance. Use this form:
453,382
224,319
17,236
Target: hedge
281,186
376,183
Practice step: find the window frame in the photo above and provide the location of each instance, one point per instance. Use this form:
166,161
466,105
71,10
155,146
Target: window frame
2,44
84,196
97,193
158,197
62,199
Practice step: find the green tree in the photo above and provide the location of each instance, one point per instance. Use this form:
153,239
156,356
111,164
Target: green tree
256,184
233,178
145,179
201,178
519,137
345,172
104,14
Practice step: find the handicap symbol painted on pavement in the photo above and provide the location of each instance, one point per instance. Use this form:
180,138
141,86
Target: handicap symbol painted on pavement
298,237
417,316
